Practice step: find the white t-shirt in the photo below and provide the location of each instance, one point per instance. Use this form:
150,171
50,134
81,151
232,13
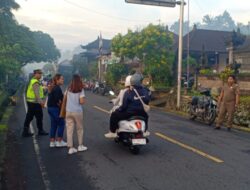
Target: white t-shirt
119,100
73,101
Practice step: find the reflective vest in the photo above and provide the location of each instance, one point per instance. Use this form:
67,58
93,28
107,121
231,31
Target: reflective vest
30,94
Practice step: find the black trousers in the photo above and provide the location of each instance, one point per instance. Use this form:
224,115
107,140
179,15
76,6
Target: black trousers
118,116
34,109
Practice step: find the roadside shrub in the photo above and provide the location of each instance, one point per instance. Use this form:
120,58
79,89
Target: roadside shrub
206,72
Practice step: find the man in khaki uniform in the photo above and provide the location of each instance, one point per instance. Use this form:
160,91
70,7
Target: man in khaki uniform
228,101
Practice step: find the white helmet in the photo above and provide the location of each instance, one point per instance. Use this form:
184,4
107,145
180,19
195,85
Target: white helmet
127,81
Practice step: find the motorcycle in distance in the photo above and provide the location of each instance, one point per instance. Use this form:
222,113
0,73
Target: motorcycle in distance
203,107
102,88
131,131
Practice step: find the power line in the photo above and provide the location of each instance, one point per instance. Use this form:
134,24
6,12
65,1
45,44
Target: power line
103,14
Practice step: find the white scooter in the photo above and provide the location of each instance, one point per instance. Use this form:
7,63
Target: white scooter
131,132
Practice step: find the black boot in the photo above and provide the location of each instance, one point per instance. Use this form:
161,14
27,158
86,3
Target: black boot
42,133
27,134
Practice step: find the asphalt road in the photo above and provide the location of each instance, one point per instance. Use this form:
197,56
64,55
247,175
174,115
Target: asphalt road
181,155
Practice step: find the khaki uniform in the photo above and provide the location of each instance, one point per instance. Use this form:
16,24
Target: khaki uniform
228,104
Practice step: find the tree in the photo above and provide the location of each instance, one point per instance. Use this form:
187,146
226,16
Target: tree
221,22
115,72
47,47
191,61
175,27
6,6
153,46
19,45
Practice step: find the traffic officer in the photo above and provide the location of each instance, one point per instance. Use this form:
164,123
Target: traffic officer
35,103
228,101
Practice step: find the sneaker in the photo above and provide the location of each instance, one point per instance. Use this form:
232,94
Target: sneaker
52,144
110,135
146,133
72,151
82,148
61,143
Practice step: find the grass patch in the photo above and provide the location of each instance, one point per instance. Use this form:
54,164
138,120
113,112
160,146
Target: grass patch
3,135
3,127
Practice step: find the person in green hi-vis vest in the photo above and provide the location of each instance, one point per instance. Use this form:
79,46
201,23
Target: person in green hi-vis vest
35,103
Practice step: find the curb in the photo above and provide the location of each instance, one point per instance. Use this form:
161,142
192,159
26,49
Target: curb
183,115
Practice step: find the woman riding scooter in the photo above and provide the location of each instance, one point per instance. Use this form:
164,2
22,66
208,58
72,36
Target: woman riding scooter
131,105
117,102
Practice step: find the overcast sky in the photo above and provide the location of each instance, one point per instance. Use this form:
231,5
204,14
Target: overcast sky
74,22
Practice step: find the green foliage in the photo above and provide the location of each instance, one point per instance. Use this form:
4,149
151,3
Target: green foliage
19,45
46,46
153,46
115,72
93,68
191,61
206,71
224,74
6,6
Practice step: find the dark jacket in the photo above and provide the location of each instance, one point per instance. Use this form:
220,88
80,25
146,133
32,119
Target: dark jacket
131,103
55,97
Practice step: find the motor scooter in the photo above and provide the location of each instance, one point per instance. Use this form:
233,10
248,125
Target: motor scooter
131,132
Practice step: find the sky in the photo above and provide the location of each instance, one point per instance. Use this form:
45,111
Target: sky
75,22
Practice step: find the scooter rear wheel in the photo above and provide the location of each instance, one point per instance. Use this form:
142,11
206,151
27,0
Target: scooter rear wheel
134,149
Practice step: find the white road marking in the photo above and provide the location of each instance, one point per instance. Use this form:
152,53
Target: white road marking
42,167
201,153
101,109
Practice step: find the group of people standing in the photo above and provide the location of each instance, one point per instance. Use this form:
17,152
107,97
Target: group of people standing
128,103
74,98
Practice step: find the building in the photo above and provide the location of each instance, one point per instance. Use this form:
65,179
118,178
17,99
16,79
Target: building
93,52
241,55
208,47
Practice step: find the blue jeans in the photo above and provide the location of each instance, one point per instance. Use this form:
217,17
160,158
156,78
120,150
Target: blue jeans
57,123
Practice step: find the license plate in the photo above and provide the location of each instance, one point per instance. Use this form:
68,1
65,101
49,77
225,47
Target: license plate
139,141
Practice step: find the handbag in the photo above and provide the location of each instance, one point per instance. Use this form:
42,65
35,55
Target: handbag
145,106
63,106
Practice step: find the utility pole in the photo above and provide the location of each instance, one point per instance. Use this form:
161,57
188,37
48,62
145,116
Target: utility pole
170,3
188,47
181,3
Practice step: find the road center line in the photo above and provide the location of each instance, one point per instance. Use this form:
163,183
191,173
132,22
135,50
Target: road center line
44,173
101,109
201,153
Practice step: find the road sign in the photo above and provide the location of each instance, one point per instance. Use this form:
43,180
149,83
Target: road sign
164,3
